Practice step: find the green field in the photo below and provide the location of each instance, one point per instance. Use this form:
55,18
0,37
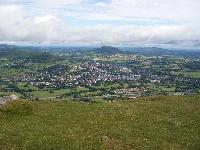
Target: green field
10,93
146,123
161,88
10,72
187,74
26,86
50,93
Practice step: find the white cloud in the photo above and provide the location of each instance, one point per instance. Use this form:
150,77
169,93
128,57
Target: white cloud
20,25
164,9
16,26
130,35
177,11
58,2
42,19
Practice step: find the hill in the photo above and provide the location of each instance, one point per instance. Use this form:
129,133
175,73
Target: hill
147,51
109,50
146,123
11,51
155,51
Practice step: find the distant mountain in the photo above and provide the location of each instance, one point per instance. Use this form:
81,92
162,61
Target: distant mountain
155,51
10,51
108,50
2,46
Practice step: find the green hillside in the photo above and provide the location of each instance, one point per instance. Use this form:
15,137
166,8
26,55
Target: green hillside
10,51
146,123
109,50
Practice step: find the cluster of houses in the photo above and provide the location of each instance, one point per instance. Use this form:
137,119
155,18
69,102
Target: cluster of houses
86,74
91,73
135,90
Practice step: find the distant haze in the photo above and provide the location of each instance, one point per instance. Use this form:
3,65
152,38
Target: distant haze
163,23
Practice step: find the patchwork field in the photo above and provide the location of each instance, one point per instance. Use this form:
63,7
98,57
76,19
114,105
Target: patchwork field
187,74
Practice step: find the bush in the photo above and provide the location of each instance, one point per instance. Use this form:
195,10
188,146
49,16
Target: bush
51,91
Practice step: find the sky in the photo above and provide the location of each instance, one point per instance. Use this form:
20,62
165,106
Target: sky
163,23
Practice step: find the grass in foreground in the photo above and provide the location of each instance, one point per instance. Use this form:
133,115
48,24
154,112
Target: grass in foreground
147,123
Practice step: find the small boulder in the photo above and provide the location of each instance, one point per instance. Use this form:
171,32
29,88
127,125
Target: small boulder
13,97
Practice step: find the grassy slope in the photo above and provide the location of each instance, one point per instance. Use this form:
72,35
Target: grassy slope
148,123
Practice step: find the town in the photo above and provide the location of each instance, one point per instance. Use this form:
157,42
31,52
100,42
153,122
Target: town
98,76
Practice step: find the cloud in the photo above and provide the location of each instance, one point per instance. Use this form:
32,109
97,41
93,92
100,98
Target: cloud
43,19
18,25
162,9
131,35
172,11
44,2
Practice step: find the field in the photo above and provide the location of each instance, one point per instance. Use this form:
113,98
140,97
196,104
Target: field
161,88
187,74
51,93
146,123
